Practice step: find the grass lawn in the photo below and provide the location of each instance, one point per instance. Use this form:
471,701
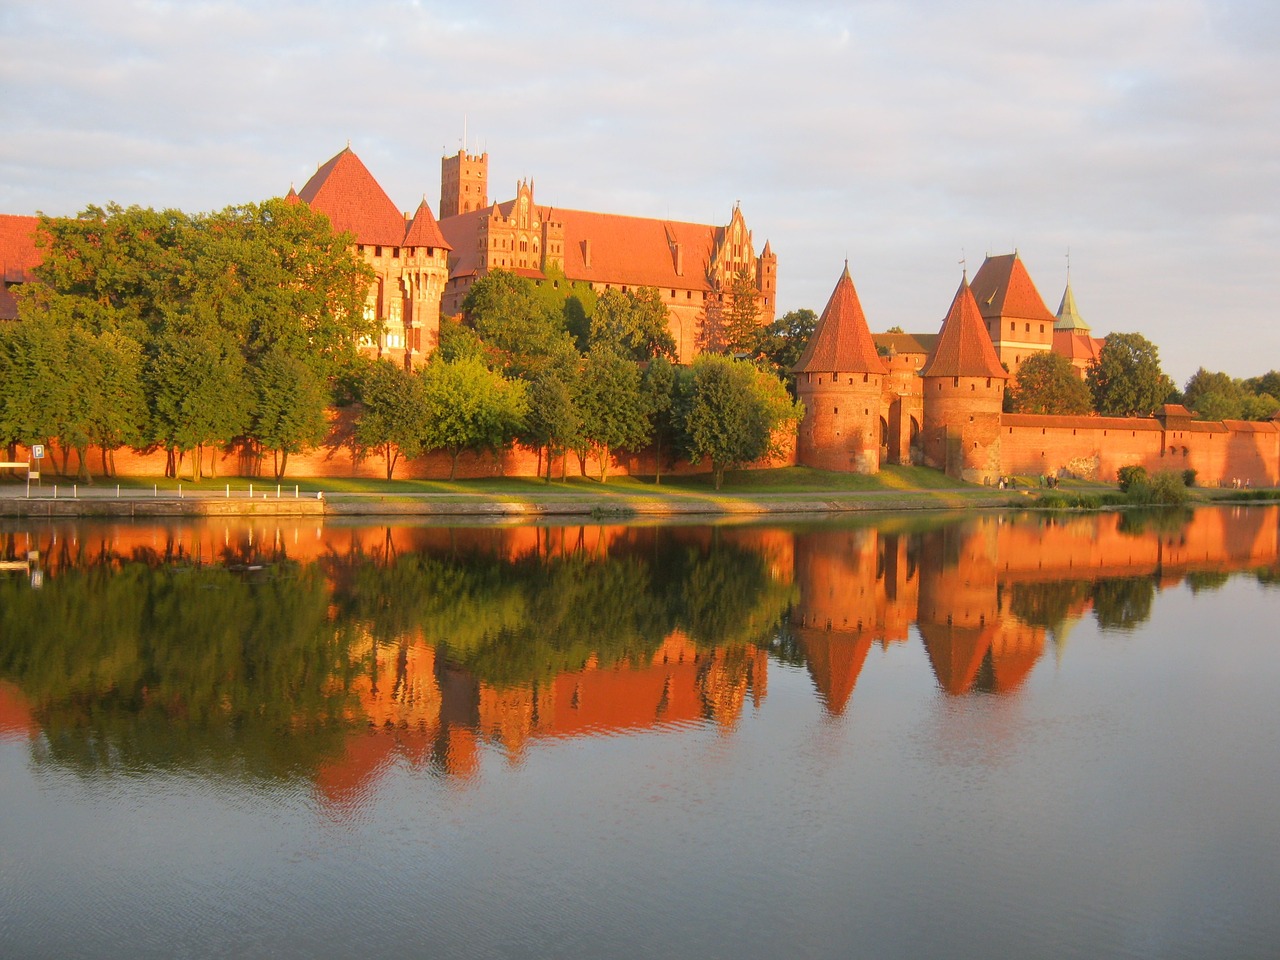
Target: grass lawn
781,481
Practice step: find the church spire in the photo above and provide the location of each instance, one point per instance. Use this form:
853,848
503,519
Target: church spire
1068,316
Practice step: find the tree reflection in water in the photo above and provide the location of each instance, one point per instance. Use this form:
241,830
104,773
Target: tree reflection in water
261,651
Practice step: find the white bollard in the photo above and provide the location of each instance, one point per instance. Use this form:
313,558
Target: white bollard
179,491
295,491
228,491
277,491
117,491
251,491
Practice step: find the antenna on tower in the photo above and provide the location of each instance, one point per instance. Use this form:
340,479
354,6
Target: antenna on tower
964,264
1068,264
464,133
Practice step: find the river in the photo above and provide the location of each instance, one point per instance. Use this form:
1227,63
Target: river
997,734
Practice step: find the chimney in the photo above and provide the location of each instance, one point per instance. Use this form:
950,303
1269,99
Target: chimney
679,260
586,253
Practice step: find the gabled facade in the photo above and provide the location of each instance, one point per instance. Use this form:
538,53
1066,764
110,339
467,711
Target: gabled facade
408,254
1013,312
691,265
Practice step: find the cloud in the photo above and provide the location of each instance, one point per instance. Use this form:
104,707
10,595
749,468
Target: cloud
1143,135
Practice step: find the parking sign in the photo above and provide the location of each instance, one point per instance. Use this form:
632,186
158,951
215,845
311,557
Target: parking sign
37,451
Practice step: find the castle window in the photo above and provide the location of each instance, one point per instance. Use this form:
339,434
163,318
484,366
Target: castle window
395,253
1042,328
864,378
988,381
688,294
673,294
1012,326
973,386
1028,328
377,251
955,381
971,418
835,409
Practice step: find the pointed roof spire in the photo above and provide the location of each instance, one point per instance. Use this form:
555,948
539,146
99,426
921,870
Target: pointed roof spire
1068,316
963,348
424,231
841,343
344,190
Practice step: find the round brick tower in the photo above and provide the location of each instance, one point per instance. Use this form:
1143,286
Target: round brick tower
839,379
963,394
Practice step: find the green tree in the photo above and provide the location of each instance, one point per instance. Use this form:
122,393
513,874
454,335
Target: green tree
522,334
38,380
1125,379
781,343
633,324
611,405
1047,383
731,411
553,421
289,409
393,413
201,395
467,406
658,384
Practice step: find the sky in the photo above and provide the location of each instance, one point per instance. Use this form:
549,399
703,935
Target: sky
1135,141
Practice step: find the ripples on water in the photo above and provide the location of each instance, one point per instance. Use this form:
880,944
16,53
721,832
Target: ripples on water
1002,736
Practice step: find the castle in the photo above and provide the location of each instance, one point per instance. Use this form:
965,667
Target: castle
425,267
937,399
897,398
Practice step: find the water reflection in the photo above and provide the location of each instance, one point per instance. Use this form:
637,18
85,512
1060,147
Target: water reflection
287,650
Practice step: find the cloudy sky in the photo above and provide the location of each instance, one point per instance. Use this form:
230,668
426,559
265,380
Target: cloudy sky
1142,136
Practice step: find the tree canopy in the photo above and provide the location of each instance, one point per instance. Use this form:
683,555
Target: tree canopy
1126,379
1047,383
467,406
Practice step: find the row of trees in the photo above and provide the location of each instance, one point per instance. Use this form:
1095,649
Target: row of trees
162,330
1126,380
159,330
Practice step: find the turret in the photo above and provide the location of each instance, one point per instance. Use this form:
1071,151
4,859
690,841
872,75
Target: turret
839,379
963,393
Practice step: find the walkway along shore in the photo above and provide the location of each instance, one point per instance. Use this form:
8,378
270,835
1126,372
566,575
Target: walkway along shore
71,501
143,504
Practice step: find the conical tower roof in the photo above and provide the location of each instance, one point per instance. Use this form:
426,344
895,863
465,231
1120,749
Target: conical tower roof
841,342
424,231
1068,316
344,190
963,348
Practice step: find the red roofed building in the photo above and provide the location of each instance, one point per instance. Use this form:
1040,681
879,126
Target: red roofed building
689,264
1015,317
408,254
839,379
1071,336
18,258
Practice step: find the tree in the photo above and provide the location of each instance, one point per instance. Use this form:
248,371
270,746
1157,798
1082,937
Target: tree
522,334
289,409
729,319
658,388
731,410
201,395
781,343
1125,379
552,422
1214,396
393,413
633,324
1046,383
611,406
467,406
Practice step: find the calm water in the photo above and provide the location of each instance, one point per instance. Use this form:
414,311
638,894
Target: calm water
1003,736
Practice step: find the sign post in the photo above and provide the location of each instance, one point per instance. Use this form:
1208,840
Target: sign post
33,473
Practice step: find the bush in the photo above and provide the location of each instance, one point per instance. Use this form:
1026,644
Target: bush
1189,477
1131,476
1166,488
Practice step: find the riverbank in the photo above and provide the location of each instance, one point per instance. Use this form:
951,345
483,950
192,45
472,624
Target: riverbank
791,491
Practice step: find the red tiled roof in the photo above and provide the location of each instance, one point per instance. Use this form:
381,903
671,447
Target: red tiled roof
1086,422
424,231
841,343
1075,345
963,348
18,253
635,251
344,190
1003,288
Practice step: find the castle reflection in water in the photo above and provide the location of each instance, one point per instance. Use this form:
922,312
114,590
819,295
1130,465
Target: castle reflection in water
328,651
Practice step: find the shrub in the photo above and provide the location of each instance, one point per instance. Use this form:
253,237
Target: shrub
1189,477
1135,475
1166,488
